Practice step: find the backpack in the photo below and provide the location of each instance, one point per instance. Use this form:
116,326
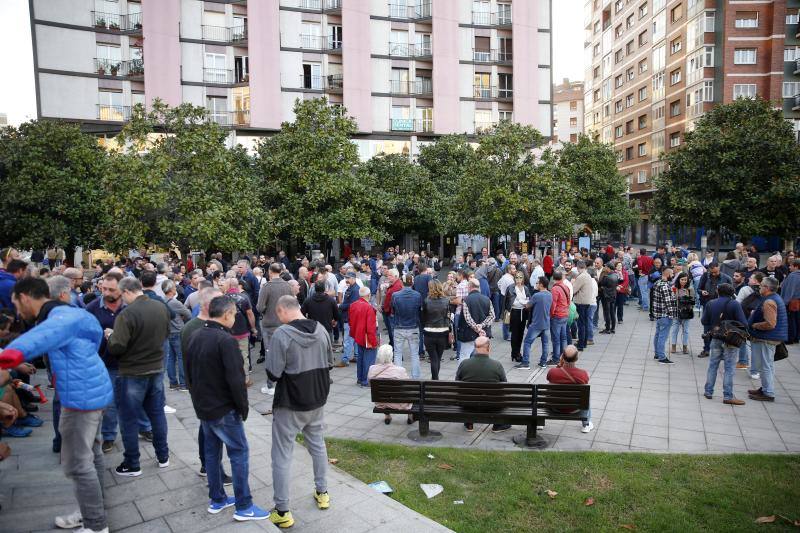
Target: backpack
731,332
573,313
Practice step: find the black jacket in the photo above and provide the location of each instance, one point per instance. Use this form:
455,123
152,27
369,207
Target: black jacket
436,313
215,374
322,308
511,295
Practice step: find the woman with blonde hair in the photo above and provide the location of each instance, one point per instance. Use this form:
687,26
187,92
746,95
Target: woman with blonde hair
436,324
384,368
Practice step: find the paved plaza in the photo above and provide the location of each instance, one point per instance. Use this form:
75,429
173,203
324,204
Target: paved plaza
637,405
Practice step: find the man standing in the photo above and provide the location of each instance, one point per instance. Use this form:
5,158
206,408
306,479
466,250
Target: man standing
71,338
643,266
773,268
268,298
420,285
725,307
768,327
14,271
137,341
790,293
707,288
749,298
175,374
559,314
297,361
406,309
583,297
751,266
349,297
322,308
363,329
76,275
476,320
245,324
506,281
394,286
216,382
482,369
664,310
541,302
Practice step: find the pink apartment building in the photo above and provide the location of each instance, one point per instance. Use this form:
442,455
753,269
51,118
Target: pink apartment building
406,70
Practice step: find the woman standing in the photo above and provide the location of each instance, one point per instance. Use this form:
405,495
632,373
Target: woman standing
684,294
622,289
608,294
436,324
517,297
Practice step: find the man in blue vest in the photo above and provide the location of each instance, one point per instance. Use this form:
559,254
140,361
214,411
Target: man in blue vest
769,327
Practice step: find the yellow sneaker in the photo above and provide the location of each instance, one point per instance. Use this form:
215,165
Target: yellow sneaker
323,500
281,521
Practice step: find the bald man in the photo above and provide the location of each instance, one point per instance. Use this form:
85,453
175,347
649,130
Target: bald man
482,368
567,373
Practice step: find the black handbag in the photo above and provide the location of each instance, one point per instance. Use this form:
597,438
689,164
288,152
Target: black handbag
781,352
731,332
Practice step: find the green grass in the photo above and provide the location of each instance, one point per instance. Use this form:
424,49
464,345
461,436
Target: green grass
507,491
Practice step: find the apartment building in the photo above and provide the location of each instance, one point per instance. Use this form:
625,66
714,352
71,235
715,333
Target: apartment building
567,111
653,67
406,70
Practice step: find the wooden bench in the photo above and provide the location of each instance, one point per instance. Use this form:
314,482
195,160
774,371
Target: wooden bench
518,404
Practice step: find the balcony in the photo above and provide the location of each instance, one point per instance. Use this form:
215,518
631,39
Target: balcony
484,126
482,18
114,21
796,103
409,50
797,66
319,42
219,76
485,92
224,34
321,5
230,118
133,68
114,113
410,12
411,88
491,56
332,83
409,124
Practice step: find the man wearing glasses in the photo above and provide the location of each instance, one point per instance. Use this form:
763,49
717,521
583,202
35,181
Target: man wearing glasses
769,326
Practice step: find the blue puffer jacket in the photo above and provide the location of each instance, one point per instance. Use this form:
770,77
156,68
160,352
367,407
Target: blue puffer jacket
7,282
71,337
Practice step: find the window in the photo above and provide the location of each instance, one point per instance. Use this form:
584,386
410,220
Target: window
424,119
629,100
481,85
659,27
674,139
643,10
629,48
642,66
641,176
597,27
312,75
618,56
606,90
676,13
629,22
744,90
658,112
642,149
618,132
793,18
620,157
658,5
573,137
675,76
746,19
334,37
573,122
643,93
642,122
309,35
506,83
643,38
618,81
606,110
573,105
709,21
658,86
217,109
597,95
791,54
708,56
618,31
629,153
241,68
675,46
675,108
630,74
791,89
657,143
659,57
618,5
503,115
596,72
423,41
503,13
618,106
214,71
596,50
108,59
629,127
137,98
744,56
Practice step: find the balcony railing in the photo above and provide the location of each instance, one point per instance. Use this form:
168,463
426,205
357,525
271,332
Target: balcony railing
796,102
321,5
319,42
423,86
487,92
409,50
218,75
116,113
404,11
114,21
482,18
121,69
224,34
332,83
409,124
230,118
491,56
484,126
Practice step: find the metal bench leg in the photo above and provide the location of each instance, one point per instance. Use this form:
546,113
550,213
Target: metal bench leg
424,433
530,439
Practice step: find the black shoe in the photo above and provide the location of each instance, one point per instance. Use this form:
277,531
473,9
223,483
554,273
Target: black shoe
260,360
146,435
655,357
707,396
227,480
524,366
469,427
203,471
56,447
702,354
605,331
552,362
652,319
665,362
761,397
499,428
108,446
125,470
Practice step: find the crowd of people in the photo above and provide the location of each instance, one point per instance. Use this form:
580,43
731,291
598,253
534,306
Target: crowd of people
105,338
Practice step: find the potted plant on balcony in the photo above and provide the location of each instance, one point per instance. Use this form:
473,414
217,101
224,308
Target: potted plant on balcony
137,25
100,22
114,69
101,69
113,25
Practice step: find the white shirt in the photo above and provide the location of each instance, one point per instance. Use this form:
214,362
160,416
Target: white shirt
160,278
568,283
537,273
504,283
521,299
343,285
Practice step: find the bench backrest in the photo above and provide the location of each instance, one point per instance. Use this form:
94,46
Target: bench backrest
562,397
395,390
453,393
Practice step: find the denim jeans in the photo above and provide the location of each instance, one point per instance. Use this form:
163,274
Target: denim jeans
660,338
720,352
134,394
387,321
744,354
764,361
109,426
558,332
366,358
421,342
406,341
595,313
174,357
677,324
82,460
645,291
583,324
530,338
228,430
496,297
457,347
593,322
506,331
348,351
621,299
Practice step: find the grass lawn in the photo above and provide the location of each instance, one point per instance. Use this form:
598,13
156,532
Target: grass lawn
507,491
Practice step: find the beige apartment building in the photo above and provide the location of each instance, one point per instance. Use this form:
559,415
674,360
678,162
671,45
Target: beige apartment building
567,111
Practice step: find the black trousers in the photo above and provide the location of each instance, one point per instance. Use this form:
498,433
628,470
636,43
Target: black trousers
435,345
610,312
517,327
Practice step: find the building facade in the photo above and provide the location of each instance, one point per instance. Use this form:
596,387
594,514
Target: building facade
406,70
653,67
567,111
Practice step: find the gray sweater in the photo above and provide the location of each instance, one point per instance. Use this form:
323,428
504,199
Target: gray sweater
182,315
267,300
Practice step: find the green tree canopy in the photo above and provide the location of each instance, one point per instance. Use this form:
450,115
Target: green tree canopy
739,169
50,192
445,162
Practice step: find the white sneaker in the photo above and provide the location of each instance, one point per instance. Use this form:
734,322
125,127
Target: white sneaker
267,390
169,410
87,530
755,375
165,464
70,521
587,429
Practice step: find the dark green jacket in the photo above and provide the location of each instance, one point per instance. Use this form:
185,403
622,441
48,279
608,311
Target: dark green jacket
138,339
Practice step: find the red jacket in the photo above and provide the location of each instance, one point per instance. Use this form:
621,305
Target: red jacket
560,306
559,375
397,286
547,264
645,263
363,325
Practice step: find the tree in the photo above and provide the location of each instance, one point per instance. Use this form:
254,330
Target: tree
445,162
739,169
600,190
310,178
50,194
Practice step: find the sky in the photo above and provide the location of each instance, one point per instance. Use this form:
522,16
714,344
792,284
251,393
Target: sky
18,93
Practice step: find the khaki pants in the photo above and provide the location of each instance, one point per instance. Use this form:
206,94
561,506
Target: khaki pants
244,347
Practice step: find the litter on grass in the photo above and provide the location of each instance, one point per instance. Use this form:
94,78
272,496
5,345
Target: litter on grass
431,489
381,486
458,502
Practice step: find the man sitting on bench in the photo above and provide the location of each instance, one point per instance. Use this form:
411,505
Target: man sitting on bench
482,368
566,373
